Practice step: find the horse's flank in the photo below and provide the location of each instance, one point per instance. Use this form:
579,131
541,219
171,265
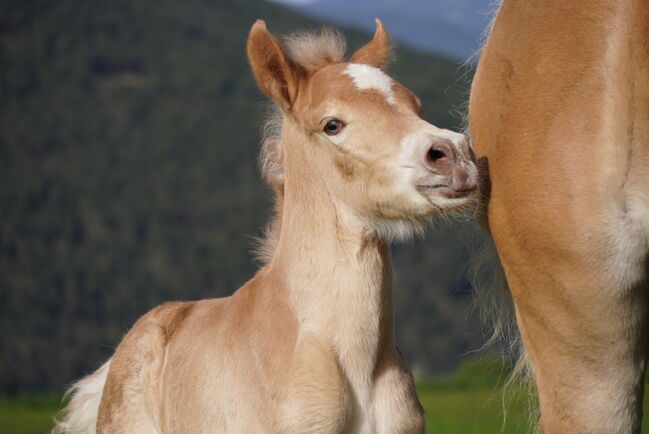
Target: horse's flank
560,110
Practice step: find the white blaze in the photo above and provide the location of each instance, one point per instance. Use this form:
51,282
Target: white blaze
369,77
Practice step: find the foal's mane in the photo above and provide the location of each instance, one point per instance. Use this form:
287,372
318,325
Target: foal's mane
311,51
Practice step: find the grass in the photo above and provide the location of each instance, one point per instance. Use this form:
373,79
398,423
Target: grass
27,415
473,400
470,401
472,411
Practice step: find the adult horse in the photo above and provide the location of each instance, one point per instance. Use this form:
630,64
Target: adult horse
307,344
559,111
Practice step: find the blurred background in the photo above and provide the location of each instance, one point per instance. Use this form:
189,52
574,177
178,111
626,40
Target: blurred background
129,135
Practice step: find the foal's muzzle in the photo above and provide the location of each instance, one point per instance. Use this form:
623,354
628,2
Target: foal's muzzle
450,157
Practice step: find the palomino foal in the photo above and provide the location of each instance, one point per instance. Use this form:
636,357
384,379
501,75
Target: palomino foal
560,109
306,345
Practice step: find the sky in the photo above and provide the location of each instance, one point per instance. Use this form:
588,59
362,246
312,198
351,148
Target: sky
449,27
295,2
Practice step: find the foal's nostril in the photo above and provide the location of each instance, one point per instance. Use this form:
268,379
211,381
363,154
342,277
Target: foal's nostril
434,155
439,158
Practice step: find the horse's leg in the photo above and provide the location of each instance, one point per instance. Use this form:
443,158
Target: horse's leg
580,298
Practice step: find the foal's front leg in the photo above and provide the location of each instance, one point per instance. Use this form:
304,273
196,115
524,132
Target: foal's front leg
396,405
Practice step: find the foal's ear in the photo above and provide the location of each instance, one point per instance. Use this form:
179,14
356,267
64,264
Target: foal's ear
376,52
276,74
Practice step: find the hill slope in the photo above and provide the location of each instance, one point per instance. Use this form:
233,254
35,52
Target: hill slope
128,141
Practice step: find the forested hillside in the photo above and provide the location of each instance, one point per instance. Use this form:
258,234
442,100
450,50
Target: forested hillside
128,143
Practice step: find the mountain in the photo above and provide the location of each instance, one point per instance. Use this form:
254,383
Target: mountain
128,146
449,27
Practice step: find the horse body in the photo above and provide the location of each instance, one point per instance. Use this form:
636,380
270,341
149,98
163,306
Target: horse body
307,345
560,112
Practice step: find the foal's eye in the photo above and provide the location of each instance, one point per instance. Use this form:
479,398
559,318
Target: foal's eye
333,127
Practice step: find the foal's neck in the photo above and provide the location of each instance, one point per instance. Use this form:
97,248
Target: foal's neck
337,273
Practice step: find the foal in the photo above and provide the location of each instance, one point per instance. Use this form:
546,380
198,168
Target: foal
307,345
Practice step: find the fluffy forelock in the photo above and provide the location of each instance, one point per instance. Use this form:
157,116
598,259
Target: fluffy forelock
311,50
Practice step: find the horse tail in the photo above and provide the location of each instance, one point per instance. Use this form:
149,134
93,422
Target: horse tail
80,413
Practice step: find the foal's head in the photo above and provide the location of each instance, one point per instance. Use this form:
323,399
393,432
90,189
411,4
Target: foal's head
352,134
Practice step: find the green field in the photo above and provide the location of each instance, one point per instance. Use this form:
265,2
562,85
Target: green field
29,415
470,401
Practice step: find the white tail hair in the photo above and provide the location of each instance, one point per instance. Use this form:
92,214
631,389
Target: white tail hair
80,413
